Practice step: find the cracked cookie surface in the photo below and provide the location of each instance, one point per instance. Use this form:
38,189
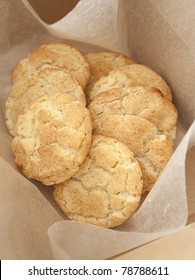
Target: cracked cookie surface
130,75
151,148
53,139
149,104
58,55
107,188
101,63
43,82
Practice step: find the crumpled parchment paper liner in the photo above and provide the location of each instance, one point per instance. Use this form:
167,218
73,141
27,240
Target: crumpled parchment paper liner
88,16
165,208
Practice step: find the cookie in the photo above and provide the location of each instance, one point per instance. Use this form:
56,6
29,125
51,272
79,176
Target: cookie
130,75
53,139
107,188
151,148
29,88
139,101
101,63
56,55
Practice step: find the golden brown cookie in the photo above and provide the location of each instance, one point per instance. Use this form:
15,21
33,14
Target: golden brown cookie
130,75
106,189
56,55
23,68
53,139
139,101
151,148
29,88
101,63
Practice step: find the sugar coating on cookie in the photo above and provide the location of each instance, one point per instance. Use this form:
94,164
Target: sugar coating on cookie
53,139
101,63
58,55
24,68
139,101
106,189
29,88
130,75
151,148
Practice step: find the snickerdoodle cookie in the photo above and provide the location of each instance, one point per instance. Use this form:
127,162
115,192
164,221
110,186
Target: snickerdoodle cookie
107,188
139,101
56,55
29,88
53,139
130,75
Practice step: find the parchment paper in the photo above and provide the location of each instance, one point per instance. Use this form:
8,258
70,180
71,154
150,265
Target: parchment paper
115,25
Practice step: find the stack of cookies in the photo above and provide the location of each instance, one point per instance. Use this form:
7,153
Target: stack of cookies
101,158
